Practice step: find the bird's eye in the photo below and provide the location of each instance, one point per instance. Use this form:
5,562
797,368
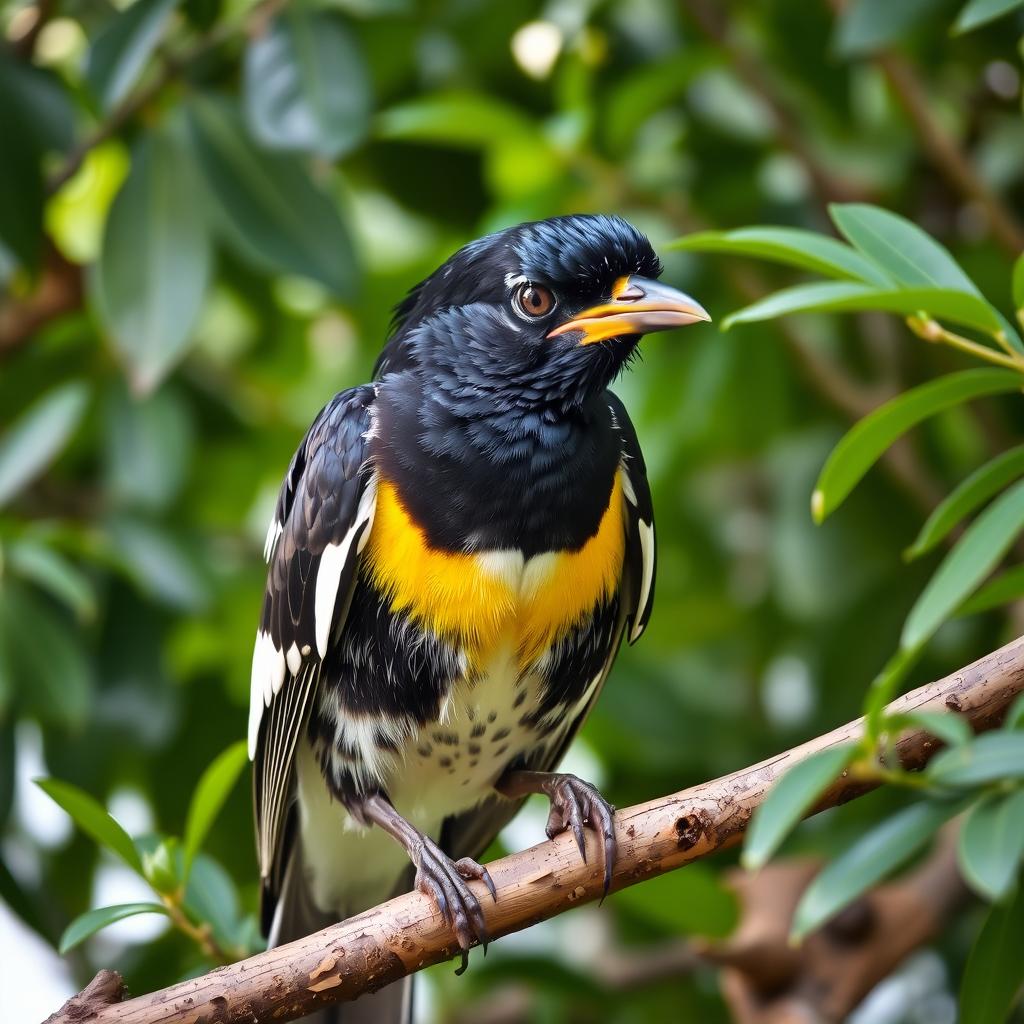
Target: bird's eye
533,300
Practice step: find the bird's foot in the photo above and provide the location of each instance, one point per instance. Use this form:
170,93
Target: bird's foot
444,881
575,805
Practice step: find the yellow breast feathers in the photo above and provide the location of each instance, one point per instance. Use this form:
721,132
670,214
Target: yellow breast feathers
475,601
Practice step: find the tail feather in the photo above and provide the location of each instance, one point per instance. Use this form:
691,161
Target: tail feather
296,916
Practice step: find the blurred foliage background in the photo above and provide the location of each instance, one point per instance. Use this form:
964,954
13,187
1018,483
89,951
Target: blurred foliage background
208,209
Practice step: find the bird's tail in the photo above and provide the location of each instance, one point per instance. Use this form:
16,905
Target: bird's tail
295,917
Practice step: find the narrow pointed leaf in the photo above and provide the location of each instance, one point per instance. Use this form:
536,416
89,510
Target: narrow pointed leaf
795,247
51,571
900,247
790,799
1015,716
92,819
866,26
306,85
973,557
122,47
861,447
979,12
34,440
1018,279
93,920
268,208
849,296
947,726
463,119
967,496
155,264
991,844
995,969
993,757
999,591
885,848
213,789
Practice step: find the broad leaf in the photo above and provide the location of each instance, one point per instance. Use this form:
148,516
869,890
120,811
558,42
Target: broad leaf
155,264
790,799
947,726
463,119
123,46
269,210
35,439
807,250
999,591
306,84
885,848
93,920
211,792
972,558
995,969
848,296
992,757
900,247
979,12
861,447
21,185
970,494
93,819
42,98
866,26
991,844
49,569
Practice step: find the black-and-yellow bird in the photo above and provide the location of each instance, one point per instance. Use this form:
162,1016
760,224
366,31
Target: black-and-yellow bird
457,551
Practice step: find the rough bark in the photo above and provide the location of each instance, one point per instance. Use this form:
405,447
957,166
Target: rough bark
407,934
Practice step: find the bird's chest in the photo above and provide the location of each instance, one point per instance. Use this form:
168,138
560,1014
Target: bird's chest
484,603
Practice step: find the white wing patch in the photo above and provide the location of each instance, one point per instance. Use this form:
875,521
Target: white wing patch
274,531
647,551
271,666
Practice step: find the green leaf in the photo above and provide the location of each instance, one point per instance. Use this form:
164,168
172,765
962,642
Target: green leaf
213,789
21,185
900,247
992,757
210,896
790,799
848,296
972,558
122,47
50,570
155,264
807,250
861,447
886,847
93,920
269,210
995,969
883,687
866,26
1018,279
991,844
92,819
947,726
306,85
463,119
978,12
42,98
1001,590
973,492
35,439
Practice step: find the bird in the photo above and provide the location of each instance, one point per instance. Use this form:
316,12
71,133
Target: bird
457,550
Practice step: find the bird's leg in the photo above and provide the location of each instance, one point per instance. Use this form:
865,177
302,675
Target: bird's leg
437,875
574,804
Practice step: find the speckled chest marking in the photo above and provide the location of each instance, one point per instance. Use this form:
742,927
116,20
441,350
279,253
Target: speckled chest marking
481,600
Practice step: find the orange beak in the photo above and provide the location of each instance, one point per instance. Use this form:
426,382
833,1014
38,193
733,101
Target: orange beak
637,306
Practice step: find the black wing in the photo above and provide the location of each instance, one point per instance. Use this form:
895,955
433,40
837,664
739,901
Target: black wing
469,834
321,522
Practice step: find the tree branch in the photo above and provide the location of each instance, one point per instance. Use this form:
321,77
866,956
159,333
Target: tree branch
407,934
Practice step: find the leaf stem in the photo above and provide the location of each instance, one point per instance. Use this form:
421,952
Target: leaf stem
931,330
200,934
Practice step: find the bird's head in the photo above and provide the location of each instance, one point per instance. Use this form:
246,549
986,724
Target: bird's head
543,314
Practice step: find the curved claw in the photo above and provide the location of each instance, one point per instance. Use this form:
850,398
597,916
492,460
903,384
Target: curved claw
444,882
575,804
